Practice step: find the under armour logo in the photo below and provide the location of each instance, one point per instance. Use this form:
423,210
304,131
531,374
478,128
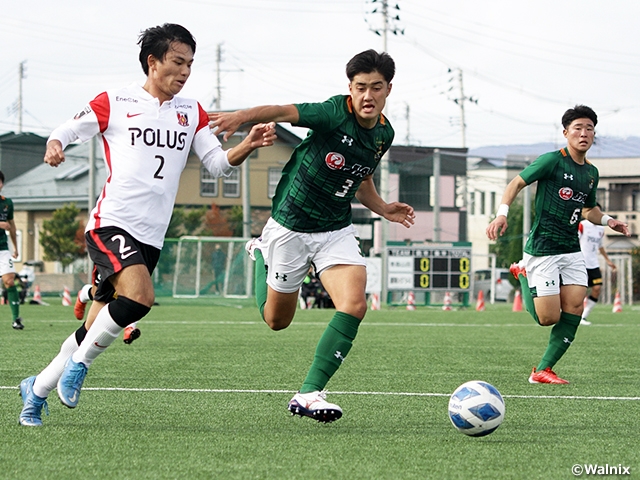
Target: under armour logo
338,354
552,282
281,277
347,140
568,176
566,340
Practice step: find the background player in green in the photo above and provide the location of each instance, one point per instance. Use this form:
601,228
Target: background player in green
310,220
552,273
7,270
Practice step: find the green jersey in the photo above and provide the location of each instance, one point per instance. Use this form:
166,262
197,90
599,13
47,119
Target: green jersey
6,214
564,188
327,167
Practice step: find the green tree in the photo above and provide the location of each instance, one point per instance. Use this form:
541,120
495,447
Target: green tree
508,248
59,236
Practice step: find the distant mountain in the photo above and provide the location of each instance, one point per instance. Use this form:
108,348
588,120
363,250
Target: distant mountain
604,147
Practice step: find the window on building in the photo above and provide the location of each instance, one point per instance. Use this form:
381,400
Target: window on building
208,184
472,203
274,177
231,184
414,190
492,200
481,203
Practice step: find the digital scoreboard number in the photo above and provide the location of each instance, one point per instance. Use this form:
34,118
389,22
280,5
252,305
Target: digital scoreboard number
429,268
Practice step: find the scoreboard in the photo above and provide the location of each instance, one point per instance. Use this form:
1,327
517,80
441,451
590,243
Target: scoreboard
429,268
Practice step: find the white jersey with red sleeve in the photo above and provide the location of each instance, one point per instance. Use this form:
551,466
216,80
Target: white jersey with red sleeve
590,242
146,146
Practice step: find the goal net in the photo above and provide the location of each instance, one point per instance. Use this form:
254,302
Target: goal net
212,266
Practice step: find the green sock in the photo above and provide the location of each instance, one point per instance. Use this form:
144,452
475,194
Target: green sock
333,347
14,301
562,334
260,280
527,298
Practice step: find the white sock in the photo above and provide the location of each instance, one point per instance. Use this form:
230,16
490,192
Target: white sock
83,294
101,334
47,379
588,307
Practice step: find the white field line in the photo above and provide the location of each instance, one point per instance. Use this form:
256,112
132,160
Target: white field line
290,392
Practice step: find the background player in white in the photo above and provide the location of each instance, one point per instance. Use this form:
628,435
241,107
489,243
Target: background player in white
591,236
146,133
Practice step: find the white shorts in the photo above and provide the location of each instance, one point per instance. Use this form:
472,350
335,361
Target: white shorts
545,274
288,254
6,263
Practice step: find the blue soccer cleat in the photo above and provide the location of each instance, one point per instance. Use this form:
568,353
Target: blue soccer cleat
70,383
31,415
314,405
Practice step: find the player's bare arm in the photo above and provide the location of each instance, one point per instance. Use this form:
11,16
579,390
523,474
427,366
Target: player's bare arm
229,122
394,212
499,225
54,155
595,216
261,135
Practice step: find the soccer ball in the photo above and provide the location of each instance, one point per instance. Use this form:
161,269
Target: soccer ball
476,408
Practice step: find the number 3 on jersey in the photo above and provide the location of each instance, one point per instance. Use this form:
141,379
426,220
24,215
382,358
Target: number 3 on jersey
345,188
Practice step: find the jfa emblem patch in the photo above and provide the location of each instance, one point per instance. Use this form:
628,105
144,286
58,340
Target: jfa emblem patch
183,120
334,161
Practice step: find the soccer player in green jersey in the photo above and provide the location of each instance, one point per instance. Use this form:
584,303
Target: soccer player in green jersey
7,270
552,273
310,222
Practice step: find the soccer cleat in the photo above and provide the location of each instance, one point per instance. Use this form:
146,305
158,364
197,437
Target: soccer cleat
584,322
70,383
314,405
518,269
17,324
79,308
545,376
130,334
251,246
31,414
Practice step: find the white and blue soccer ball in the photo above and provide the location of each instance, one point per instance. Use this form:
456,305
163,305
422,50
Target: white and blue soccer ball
476,408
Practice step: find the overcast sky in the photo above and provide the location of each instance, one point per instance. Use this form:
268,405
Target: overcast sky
524,62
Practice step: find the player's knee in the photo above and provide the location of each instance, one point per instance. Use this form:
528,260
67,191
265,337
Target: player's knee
277,322
548,320
125,311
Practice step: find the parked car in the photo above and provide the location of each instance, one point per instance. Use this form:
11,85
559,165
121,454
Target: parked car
502,286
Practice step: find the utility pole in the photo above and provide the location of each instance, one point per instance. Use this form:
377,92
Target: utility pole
21,76
407,139
460,101
218,83
384,162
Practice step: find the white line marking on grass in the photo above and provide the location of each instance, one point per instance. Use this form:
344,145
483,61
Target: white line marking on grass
395,394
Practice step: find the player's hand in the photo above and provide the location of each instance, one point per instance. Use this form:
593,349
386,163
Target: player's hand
4,226
400,213
612,265
618,226
497,227
54,155
227,122
262,135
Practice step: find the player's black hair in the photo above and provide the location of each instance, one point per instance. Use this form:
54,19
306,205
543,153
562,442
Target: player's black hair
157,40
372,61
1,177
579,111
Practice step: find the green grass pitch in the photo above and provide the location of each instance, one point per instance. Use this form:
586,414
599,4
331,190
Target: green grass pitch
203,394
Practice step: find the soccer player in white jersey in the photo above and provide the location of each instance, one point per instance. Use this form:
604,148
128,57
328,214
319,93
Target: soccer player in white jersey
591,236
146,133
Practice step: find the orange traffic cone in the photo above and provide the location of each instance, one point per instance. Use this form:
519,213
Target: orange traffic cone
66,297
37,295
447,302
411,301
617,304
480,302
517,302
375,301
